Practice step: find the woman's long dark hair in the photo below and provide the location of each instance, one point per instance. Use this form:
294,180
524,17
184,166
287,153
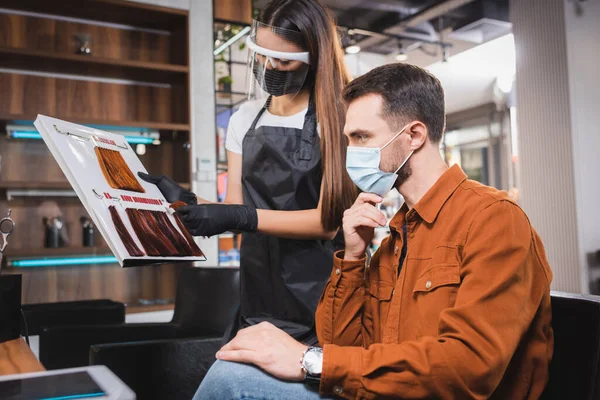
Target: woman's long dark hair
327,63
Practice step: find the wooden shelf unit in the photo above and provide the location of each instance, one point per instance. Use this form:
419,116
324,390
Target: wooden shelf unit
112,11
58,252
167,126
64,63
137,75
51,185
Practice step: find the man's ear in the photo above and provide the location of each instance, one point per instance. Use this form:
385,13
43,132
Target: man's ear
418,134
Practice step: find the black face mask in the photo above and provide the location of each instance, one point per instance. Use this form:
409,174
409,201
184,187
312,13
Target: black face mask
279,83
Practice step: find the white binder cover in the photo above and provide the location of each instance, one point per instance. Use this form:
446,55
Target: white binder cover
73,147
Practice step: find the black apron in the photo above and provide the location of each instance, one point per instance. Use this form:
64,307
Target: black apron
282,279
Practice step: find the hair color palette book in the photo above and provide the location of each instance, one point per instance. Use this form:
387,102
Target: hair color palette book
132,215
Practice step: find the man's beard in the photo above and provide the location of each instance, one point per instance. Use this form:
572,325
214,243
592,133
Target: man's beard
405,172
403,175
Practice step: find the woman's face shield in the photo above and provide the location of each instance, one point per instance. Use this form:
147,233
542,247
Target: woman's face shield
277,65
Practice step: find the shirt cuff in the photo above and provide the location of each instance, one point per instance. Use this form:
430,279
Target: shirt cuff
347,272
341,375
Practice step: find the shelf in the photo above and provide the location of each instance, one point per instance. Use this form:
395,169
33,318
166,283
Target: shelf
133,70
115,11
59,252
222,167
230,99
35,185
4,116
50,185
230,22
134,308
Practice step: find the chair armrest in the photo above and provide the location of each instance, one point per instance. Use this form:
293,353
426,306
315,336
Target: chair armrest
69,346
88,312
161,369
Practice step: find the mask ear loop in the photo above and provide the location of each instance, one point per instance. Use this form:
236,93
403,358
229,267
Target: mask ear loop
405,160
392,139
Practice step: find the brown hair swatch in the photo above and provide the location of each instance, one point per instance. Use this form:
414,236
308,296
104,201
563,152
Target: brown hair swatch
183,245
116,171
195,249
130,245
150,233
158,235
175,205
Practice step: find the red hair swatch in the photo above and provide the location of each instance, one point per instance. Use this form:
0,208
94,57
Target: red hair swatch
151,233
177,204
195,249
130,245
183,247
117,173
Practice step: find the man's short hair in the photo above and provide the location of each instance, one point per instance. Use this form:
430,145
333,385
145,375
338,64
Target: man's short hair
409,93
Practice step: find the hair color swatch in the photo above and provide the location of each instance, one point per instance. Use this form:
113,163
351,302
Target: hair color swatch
175,205
195,249
158,235
130,245
116,171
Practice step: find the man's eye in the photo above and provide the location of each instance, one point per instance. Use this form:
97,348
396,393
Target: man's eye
361,139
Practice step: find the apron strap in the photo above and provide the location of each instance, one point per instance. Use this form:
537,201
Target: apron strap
309,128
260,113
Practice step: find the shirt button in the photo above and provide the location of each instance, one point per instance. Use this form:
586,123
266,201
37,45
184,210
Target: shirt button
337,271
396,250
428,284
338,390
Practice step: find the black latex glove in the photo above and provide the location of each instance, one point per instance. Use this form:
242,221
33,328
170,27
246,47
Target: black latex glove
212,219
170,189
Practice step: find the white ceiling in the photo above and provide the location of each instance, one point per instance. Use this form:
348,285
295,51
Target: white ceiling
469,75
468,78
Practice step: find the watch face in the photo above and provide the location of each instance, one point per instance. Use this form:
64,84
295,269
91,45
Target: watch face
313,361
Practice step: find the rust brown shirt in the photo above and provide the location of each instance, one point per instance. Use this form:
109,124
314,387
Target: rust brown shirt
467,315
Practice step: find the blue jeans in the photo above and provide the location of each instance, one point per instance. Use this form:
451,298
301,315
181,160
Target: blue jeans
233,381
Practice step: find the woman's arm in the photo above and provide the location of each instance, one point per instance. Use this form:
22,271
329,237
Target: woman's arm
304,224
234,179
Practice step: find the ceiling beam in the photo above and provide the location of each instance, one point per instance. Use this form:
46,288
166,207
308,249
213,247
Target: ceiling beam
425,15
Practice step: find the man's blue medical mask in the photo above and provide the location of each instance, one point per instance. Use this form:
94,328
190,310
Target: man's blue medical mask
362,164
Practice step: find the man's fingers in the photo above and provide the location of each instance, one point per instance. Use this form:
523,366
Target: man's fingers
356,217
369,211
368,198
359,222
242,356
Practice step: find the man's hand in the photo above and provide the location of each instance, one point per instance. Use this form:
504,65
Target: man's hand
359,225
269,348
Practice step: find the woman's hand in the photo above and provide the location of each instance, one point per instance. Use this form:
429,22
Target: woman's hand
170,189
212,219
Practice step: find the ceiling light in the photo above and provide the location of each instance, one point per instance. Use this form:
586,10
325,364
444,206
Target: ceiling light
353,49
401,57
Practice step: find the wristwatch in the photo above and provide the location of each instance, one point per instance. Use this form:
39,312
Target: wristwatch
312,364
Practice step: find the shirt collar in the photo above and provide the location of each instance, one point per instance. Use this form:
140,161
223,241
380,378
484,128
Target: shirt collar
432,202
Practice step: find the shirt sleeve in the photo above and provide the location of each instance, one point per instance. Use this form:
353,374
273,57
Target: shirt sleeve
233,140
339,313
502,286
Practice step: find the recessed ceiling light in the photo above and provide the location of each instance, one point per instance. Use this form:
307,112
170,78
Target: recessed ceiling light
353,49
